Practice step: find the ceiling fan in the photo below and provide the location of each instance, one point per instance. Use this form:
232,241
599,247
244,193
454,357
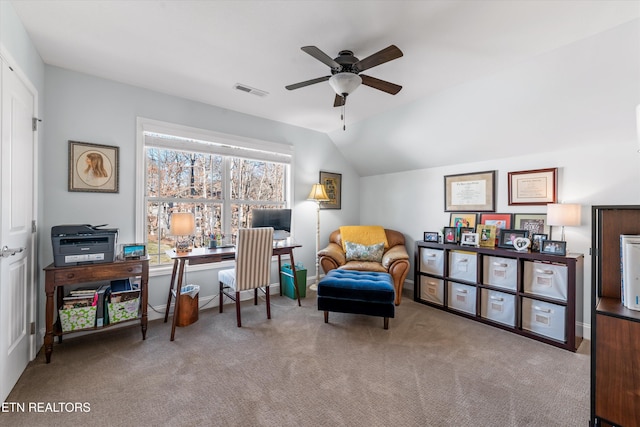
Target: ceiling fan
345,72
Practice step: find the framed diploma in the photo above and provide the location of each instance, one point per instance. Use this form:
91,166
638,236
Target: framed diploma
534,187
470,192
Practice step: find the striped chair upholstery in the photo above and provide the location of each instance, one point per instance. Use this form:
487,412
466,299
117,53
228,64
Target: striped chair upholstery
254,249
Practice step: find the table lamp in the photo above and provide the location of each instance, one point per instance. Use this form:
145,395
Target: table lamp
563,214
318,194
183,225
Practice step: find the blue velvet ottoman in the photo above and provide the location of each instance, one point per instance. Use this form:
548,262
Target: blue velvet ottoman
357,292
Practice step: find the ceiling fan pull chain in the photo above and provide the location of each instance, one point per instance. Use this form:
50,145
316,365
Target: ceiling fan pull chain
344,115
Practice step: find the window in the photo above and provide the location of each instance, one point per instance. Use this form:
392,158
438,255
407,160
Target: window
219,178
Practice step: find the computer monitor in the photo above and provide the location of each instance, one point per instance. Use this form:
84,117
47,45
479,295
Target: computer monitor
279,219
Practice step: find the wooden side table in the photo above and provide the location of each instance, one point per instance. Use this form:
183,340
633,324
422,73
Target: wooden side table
56,278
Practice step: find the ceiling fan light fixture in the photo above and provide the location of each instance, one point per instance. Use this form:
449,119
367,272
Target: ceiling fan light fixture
344,83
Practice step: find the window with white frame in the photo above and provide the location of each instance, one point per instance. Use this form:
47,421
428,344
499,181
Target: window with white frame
219,178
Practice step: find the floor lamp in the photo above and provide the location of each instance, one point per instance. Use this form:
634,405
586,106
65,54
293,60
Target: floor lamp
318,194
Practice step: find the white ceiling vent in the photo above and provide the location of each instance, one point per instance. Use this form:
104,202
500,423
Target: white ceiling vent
249,89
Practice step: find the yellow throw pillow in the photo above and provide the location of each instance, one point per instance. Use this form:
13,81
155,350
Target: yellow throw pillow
363,234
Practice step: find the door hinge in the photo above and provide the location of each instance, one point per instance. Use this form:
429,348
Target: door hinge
34,228
33,328
34,123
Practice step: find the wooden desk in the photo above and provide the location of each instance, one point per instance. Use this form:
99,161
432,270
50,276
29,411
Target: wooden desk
199,256
59,277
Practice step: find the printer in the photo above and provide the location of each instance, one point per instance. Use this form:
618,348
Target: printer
83,244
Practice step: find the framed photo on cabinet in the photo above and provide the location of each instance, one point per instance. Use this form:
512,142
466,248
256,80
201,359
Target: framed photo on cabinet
487,235
553,247
534,223
507,236
431,236
533,187
463,220
450,235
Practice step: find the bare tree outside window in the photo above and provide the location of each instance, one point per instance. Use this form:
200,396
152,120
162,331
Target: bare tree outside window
189,181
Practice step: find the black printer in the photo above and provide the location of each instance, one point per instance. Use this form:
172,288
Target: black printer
83,244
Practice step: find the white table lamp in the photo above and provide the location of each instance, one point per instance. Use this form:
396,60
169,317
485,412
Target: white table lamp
318,194
183,226
563,214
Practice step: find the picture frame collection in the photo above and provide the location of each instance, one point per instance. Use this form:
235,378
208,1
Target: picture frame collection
471,200
489,229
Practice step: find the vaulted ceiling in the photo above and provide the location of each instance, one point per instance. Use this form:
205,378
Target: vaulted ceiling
200,49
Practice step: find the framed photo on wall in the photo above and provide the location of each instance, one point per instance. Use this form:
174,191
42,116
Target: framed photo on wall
93,167
533,187
470,192
333,185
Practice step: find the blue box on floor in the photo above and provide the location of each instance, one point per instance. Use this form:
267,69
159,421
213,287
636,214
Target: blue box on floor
286,276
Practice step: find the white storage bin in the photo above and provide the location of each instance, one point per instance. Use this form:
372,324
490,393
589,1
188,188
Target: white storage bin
500,272
432,261
432,290
544,318
463,265
546,279
461,297
498,306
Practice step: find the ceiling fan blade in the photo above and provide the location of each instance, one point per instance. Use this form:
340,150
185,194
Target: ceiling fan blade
382,85
385,55
321,56
307,83
339,101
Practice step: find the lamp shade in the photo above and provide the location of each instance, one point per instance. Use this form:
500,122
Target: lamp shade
345,83
182,224
318,193
563,214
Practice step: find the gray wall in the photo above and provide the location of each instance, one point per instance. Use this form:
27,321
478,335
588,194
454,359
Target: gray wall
84,108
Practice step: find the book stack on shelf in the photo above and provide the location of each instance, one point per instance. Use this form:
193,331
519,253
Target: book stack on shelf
83,308
630,271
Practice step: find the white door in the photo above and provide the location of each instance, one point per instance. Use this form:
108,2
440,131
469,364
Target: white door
16,237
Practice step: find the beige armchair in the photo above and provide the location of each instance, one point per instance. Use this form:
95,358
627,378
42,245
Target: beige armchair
395,259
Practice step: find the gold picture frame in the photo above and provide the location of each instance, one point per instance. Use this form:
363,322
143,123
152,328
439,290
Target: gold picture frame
487,235
333,185
470,192
93,168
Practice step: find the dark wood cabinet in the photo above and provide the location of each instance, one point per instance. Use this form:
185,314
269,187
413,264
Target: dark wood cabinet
615,330
539,296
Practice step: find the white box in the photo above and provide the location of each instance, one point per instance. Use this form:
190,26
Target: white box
432,261
498,306
463,265
546,279
461,297
544,318
630,271
500,272
432,290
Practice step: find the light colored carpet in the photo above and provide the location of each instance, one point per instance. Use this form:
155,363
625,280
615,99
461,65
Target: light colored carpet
430,368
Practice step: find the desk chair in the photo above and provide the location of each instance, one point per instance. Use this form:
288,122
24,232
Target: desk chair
254,248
